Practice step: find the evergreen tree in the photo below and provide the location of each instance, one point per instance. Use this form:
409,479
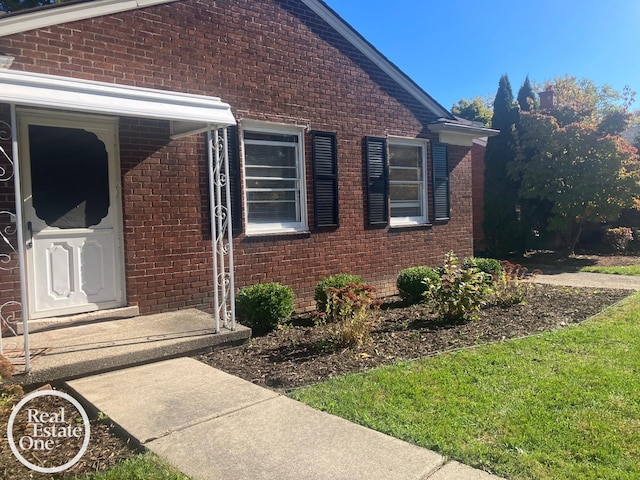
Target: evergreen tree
534,212
501,223
527,97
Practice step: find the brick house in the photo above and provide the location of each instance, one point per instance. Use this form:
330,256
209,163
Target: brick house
125,119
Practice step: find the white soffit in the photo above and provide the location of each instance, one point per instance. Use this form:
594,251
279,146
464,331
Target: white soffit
46,17
190,113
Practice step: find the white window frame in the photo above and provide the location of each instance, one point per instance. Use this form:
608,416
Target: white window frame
415,220
278,227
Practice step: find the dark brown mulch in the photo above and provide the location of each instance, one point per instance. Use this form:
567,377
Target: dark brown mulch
301,355
545,259
105,447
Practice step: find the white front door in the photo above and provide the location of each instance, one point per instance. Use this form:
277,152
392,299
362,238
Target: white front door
72,214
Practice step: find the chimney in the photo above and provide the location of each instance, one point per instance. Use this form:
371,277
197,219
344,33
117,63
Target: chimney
546,99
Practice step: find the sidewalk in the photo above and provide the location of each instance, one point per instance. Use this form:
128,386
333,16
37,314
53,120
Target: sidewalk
589,280
212,425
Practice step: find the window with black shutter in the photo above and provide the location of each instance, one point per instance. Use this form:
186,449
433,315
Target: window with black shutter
325,179
441,181
376,166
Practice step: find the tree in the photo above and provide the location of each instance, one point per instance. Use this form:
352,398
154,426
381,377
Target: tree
586,173
477,109
527,97
501,227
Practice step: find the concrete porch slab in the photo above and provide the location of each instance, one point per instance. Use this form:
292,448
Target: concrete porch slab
94,348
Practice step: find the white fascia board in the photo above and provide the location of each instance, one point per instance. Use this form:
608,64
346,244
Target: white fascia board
49,91
23,22
459,134
375,56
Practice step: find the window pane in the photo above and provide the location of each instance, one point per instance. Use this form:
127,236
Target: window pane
410,174
400,192
272,196
262,172
69,175
273,212
405,156
406,211
270,155
270,137
271,184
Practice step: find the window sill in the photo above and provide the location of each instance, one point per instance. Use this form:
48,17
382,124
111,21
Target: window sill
410,226
276,235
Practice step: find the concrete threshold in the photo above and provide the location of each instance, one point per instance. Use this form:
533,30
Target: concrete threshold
88,349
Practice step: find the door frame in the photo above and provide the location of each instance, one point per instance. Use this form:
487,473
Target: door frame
106,128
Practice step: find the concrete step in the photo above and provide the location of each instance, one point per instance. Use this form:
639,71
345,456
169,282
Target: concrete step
88,349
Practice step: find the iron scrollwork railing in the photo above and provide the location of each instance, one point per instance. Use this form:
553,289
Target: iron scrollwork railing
221,230
10,310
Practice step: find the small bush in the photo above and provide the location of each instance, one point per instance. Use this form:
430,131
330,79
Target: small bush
338,280
412,282
264,306
510,288
618,239
490,266
350,313
460,292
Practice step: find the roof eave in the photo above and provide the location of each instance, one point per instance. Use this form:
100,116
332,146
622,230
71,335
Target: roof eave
456,133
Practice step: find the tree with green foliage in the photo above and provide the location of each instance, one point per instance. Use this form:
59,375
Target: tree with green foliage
501,228
477,109
527,99
587,173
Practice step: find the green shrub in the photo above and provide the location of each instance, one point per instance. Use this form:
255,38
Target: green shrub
350,313
511,287
412,282
264,306
460,292
338,280
490,266
618,239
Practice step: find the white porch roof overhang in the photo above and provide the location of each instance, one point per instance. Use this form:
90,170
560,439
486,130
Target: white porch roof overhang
188,113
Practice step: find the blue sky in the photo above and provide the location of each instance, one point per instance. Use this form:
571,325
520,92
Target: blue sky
459,48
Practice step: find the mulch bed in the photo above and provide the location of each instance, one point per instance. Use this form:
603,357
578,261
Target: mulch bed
105,447
300,354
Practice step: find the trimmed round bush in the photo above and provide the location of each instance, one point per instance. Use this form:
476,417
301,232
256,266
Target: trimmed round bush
264,306
412,282
339,280
490,266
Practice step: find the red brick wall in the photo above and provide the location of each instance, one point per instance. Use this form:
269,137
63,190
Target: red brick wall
271,60
477,162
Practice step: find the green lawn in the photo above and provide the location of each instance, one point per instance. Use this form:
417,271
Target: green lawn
143,467
563,405
628,270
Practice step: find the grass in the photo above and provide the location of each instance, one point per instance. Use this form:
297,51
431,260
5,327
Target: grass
146,466
562,405
627,270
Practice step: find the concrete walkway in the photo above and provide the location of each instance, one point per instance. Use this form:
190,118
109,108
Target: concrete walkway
589,280
211,425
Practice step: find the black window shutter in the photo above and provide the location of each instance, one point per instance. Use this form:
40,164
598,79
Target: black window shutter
441,181
233,150
377,195
325,179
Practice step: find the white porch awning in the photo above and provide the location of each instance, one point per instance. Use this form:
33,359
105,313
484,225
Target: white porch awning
188,113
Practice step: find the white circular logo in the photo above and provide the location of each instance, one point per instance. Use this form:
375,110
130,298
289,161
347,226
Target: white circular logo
45,430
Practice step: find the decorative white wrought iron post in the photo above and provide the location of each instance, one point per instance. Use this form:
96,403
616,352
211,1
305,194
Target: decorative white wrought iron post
12,236
221,229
